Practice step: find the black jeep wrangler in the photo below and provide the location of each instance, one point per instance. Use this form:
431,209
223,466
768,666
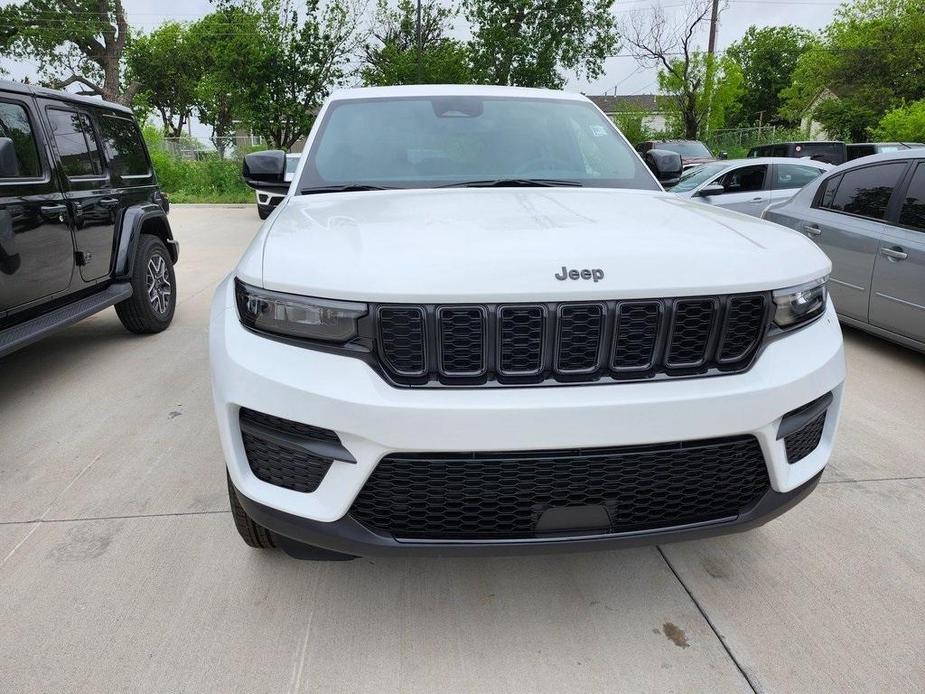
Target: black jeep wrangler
83,224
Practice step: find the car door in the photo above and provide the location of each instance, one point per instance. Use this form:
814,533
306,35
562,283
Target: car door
744,189
87,189
897,301
36,249
787,179
846,222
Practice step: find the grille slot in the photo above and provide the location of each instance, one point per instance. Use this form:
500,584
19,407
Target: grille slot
580,333
275,456
471,496
742,327
636,336
401,339
569,342
462,340
521,333
691,327
801,443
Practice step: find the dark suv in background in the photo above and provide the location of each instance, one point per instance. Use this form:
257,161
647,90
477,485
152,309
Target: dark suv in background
83,224
830,152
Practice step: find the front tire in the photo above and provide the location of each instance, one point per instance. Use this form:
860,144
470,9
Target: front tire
150,308
253,535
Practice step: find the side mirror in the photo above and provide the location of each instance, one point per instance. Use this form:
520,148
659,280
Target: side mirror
9,162
724,155
665,165
266,171
712,189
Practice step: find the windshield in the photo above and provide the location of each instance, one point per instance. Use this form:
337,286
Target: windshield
685,149
696,175
426,142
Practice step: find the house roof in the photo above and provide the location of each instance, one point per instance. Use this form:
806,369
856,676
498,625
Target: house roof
627,103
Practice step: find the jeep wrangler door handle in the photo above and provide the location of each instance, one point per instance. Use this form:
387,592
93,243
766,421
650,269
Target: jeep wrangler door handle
109,202
53,210
895,254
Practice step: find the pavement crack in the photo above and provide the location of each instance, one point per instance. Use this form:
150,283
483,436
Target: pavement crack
710,623
39,521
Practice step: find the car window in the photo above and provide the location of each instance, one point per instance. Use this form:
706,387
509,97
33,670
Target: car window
746,179
793,176
123,146
696,175
913,209
75,142
424,142
777,151
14,124
865,191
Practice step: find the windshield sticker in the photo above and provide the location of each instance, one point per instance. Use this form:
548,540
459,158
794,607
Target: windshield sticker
598,130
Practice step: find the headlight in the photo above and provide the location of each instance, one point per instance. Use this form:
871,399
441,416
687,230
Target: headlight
297,316
798,305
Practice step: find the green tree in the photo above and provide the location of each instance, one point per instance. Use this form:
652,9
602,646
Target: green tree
767,56
701,87
392,56
74,42
226,44
903,124
164,63
300,56
872,56
529,43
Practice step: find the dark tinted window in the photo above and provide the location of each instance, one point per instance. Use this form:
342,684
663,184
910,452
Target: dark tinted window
76,143
746,179
793,176
14,124
122,144
866,191
831,152
913,210
827,191
857,151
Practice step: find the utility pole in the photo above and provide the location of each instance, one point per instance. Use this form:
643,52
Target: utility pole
714,19
420,42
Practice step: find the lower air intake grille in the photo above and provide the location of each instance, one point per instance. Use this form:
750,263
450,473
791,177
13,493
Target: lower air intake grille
472,496
275,456
801,443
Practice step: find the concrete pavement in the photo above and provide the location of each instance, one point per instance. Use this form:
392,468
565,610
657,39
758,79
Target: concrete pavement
121,570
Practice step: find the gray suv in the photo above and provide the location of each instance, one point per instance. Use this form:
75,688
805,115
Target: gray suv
868,216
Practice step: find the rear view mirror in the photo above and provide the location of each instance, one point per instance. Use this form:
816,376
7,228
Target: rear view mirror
9,162
266,171
665,165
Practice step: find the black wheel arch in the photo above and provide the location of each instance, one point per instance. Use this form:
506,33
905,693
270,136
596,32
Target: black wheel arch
138,220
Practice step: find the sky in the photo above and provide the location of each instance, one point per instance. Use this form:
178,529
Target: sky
621,73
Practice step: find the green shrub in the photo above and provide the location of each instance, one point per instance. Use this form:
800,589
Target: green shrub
904,124
196,180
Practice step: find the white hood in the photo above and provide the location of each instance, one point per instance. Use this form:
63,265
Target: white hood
508,244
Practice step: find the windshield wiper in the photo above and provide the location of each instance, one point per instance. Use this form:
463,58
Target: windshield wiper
345,188
515,183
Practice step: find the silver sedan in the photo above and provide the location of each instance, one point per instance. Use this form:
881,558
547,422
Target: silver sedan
748,185
868,216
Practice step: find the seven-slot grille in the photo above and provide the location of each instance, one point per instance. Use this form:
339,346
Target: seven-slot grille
568,342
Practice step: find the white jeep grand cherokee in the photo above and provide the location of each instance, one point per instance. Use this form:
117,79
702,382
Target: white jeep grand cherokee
476,323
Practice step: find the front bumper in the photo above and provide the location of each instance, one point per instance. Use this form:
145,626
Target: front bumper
374,419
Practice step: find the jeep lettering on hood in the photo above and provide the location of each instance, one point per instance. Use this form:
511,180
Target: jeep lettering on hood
565,274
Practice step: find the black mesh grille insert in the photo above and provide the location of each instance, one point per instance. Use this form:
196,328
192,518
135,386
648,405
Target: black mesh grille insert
521,333
581,327
462,341
401,336
803,442
636,335
502,495
744,322
691,327
276,461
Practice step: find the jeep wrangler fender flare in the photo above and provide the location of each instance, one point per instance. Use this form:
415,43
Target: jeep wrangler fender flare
138,220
